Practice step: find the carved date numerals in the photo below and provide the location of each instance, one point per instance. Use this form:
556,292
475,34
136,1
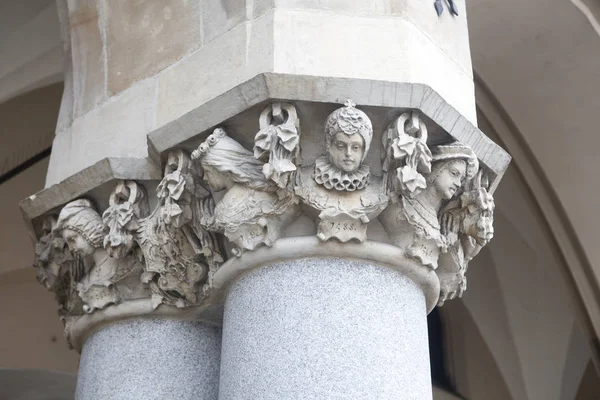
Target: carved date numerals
342,227
336,227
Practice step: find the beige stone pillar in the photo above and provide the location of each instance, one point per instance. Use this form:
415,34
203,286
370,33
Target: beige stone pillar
203,142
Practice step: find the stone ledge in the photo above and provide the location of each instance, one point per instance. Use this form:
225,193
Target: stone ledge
104,171
365,92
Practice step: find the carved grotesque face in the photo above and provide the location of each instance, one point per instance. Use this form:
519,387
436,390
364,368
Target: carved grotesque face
450,178
346,152
77,243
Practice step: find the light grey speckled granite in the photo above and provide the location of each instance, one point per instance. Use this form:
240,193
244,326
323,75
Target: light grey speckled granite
325,329
149,359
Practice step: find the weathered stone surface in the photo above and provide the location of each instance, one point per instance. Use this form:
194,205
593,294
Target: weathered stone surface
309,43
234,57
151,359
448,32
219,16
87,48
324,329
146,37
116,129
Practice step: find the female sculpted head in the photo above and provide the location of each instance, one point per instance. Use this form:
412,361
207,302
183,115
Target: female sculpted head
80,227
348,134
452,165
225,162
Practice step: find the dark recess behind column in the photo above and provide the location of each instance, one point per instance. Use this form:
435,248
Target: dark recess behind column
24,165
439,376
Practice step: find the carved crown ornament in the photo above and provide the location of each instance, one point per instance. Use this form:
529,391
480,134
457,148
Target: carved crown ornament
224,204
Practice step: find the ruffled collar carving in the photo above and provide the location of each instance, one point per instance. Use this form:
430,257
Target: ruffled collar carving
331,177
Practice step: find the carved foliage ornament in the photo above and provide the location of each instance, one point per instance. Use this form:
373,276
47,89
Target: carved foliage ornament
179,255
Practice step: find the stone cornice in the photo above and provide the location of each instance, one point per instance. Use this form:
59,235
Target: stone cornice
106,171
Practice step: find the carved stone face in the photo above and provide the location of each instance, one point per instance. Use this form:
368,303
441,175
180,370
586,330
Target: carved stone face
450,178
346,152
77,243
215,179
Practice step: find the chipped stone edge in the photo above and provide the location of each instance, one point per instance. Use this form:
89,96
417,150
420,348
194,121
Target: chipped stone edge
366,92
104,171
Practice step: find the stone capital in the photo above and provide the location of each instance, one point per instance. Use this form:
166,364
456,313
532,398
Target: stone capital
279,180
